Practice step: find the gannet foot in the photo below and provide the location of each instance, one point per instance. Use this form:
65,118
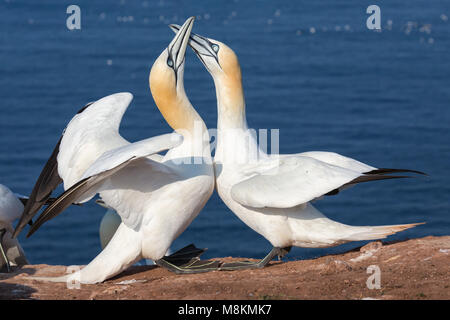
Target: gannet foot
7,266
185,255
187,261
193,266
242,265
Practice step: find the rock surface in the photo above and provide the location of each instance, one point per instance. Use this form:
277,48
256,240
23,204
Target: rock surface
413,269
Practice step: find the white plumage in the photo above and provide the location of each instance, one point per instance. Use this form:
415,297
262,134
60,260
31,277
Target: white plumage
157,197
10,206
272,193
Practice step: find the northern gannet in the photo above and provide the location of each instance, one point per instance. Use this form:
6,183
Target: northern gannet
11,207
272,194
157,197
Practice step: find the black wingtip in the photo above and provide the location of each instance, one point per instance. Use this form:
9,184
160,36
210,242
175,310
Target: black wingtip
37,224
47,182
34,227
389,170
375,177
365,178
30,232
44,217
20,227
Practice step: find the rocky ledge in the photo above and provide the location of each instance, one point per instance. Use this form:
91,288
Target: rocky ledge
412,269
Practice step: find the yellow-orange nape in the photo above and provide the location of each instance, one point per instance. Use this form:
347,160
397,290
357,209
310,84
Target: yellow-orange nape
173,104
231,80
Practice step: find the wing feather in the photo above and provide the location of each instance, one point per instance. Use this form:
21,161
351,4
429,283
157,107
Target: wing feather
72,194
298,179
47,182
105,167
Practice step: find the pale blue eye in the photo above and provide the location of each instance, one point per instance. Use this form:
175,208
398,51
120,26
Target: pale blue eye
170,62
215,47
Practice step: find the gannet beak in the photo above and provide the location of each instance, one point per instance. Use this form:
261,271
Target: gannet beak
201,45
177,48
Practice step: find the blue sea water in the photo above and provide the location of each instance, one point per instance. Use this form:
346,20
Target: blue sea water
311,69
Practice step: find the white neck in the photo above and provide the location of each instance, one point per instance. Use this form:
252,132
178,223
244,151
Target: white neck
230,107
195,143
235,142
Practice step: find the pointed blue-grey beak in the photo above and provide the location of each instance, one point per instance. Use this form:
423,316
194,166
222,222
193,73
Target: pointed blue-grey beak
177,47
202,46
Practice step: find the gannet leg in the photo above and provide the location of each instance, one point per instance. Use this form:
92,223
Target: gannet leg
3,252
124,249
187,260
242,265
193,266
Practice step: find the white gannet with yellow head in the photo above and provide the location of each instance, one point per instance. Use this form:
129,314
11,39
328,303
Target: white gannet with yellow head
156,196
272,193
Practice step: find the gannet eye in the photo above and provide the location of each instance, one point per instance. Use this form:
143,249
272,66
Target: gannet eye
170,62
215,47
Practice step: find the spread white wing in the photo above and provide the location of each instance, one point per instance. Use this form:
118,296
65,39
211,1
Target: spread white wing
89,134
143,175
92,131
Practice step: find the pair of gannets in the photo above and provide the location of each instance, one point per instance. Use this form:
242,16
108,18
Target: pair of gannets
158,196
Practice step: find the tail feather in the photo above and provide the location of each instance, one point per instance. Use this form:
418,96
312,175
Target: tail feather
379,232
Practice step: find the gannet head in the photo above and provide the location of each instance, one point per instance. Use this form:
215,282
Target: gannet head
221,62
219,59
166,76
